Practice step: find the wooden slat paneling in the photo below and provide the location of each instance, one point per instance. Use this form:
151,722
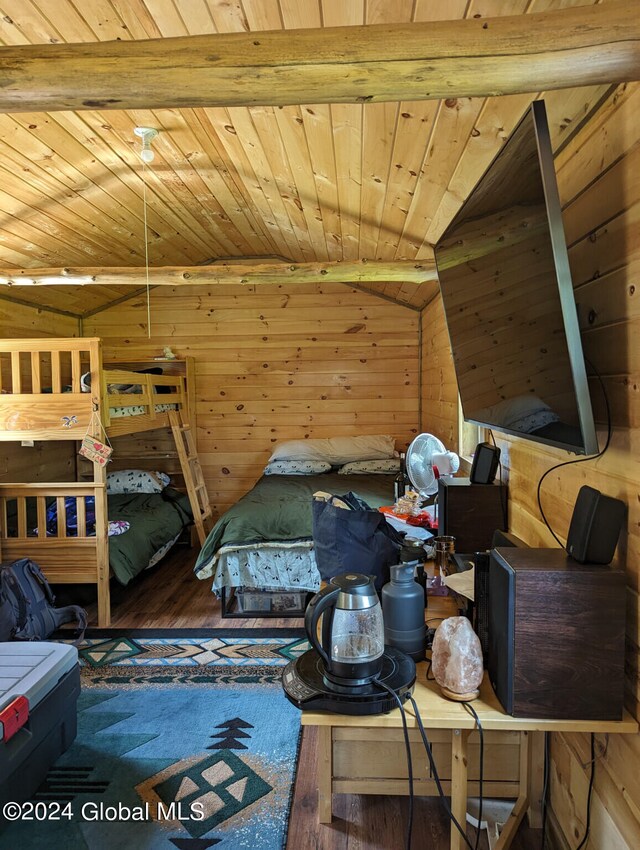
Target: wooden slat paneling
273,363
597,175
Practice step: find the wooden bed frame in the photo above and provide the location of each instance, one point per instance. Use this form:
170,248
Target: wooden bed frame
33,406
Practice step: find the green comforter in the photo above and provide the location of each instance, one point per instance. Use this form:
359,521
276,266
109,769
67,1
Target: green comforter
155,518
279,508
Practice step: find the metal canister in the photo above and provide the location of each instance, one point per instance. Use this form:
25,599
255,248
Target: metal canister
444,546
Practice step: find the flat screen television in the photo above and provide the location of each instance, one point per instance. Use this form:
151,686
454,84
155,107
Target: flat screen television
508,300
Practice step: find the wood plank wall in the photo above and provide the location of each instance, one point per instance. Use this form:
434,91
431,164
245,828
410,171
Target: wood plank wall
44,461
274,362
598,176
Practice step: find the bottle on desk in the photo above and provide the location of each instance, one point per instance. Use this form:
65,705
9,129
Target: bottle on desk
401,483
403,612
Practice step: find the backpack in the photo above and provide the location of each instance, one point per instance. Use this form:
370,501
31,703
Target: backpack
27,602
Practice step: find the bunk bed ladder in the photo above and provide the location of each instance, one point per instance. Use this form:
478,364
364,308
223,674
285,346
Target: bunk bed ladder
192,472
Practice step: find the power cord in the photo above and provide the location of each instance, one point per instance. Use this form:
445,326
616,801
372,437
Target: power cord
436,777
577,460
504,496
407,745
545,787
471,710
593,772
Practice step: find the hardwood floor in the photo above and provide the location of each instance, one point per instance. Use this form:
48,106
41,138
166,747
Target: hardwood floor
367,822
170,596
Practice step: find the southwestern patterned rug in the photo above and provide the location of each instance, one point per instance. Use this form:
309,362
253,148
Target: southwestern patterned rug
184,741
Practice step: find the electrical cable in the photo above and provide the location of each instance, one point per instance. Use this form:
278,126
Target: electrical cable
545,787
593,771
407,745
436,777
146,244
471,710
577,460
504,496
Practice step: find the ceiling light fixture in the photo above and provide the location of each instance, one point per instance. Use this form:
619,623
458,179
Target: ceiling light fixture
147,134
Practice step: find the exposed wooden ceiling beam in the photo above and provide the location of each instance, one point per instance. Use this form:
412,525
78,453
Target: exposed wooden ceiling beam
480,57
356,271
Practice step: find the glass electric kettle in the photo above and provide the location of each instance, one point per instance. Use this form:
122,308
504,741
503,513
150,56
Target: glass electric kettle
352,643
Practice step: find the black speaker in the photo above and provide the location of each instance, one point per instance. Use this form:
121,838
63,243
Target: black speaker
470,512
485,464
481,587
595,527
481,602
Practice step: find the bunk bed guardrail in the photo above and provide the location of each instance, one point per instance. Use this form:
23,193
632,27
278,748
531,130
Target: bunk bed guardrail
42,397
67,554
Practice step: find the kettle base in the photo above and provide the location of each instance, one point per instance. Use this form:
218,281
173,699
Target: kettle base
305,685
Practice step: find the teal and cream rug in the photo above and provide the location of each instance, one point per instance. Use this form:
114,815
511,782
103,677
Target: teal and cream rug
184,741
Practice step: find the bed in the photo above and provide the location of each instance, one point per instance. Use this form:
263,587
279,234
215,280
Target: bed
142,526
58,389
265,539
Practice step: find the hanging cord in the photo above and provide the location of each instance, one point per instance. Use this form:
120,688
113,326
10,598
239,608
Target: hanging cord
471,710
546,786
578,460
545,789
436,777
593,772
504,496
146,244
407,745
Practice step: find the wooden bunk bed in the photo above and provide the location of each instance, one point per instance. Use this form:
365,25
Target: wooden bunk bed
58,389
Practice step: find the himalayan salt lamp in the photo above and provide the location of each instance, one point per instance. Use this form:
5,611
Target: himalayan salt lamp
456,659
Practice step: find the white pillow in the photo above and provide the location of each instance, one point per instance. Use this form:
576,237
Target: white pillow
511,410
388,466
136,481
336,450
297,467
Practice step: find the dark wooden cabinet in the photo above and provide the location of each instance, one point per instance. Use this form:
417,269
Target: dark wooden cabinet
556,635
471,512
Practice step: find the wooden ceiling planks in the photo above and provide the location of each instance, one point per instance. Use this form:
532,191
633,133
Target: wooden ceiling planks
305,183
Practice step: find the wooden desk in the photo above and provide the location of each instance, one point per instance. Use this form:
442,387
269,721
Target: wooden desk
366,755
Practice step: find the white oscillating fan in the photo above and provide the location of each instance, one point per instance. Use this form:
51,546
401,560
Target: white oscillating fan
426,461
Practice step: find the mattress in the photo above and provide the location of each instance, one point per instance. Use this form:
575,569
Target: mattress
272,521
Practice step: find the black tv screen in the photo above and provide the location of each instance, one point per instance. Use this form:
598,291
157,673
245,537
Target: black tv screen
508,300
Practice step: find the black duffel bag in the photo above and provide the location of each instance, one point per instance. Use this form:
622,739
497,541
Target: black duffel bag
354,539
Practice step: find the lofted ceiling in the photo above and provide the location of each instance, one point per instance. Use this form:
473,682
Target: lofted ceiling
309,183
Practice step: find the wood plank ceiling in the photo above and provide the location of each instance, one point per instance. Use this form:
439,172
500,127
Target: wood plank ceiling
311,183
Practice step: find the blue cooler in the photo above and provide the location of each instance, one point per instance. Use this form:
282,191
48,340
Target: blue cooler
39,689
